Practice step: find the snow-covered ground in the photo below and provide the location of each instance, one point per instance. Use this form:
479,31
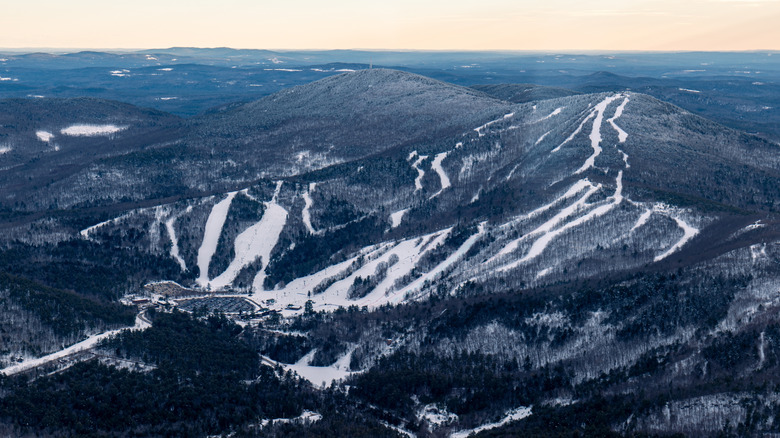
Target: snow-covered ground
595,133
642,220
513,415
550,230
443,178
211,235
306,213
418,284
420,173
552,114
397,217
307,417
689,232
576,131
91,130
140,324
436,416
174,241
86,231
542,138
322,377
44,136
4,149
622,135
255,242
399,259
553,222
479,129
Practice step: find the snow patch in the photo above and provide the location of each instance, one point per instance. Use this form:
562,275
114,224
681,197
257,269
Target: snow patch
283,69
397,217
625,158
4,149
319,376
45,136
87,231
307,417
91,130
436,416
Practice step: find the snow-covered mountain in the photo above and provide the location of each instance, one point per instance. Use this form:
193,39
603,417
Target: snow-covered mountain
618,229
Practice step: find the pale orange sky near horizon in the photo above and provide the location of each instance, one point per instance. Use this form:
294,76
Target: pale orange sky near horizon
662,25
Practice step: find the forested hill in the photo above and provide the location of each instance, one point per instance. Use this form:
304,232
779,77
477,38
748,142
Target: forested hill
454,259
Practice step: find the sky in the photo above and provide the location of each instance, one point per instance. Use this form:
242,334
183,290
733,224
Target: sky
616,25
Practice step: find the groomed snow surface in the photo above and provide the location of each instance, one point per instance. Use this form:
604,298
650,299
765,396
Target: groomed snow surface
211,235
689,232
513,415
622,135
306,214
90,342
91,130
420,173
443,178
595,133
480,128
322,377
399,258
174,240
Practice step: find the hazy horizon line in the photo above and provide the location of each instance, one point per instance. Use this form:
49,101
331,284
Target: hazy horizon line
44,49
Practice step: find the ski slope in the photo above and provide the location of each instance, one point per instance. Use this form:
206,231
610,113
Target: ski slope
211,235
481,128
622,135
689,232
420,173
443,178
174,241
256,242
576,131
595,133
306,213
140,324
513,415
